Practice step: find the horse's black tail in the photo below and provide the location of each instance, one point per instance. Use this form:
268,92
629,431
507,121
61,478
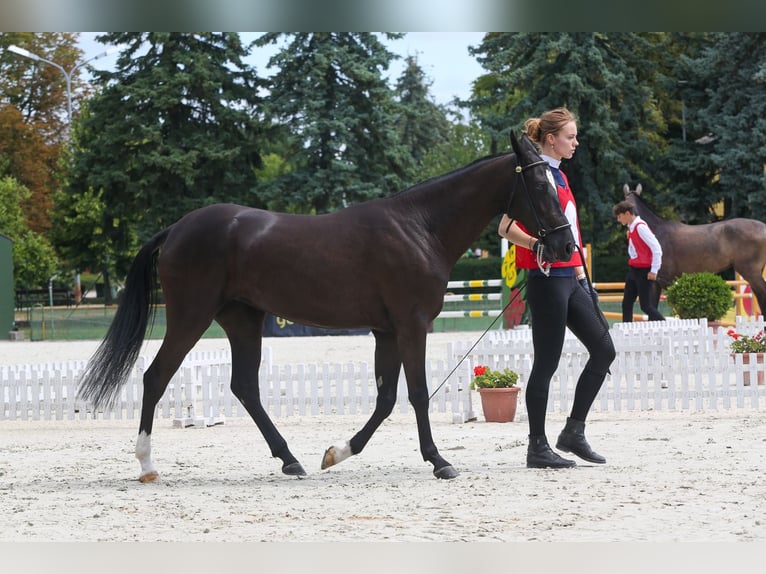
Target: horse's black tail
110,365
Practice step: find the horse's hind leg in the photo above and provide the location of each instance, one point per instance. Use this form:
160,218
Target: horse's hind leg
753,275
174,347
388,364
244,328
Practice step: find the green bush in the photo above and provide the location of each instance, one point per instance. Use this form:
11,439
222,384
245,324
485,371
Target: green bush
468,268
698,295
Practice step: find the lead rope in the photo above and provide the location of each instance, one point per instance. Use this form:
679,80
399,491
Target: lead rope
460,362
593,294
518,292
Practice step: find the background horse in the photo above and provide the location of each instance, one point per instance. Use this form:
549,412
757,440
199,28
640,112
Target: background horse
382,264
739,243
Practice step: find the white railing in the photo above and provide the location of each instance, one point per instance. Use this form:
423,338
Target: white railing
674,364
659,365
199,392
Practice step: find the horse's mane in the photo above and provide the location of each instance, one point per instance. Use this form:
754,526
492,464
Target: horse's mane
655,217
454,172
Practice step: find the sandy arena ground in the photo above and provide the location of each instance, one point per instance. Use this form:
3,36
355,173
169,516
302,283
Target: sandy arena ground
670,476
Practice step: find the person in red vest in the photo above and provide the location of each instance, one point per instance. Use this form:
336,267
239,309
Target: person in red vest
645,260
559,296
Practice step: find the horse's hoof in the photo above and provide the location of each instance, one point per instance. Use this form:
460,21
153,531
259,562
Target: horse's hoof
294,469
152,476
446,472
336,454
328,459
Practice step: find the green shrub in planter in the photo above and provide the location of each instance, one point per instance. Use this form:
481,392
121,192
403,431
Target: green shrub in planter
698,295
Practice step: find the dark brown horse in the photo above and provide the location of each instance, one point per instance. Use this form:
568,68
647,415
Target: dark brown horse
739,243
382,264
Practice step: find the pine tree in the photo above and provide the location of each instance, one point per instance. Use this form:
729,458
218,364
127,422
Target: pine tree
423,124
340,115
733,73
604,79
173,128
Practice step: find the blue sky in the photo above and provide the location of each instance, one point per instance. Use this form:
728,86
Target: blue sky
443,56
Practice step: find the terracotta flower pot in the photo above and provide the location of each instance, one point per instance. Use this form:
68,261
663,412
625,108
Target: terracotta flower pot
499,405
759,369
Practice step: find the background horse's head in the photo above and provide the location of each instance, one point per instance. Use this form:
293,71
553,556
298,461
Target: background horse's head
630,193
535,202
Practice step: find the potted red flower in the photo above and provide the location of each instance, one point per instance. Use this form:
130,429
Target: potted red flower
747,345
498,391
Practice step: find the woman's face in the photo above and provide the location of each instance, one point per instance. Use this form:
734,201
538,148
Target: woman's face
564,142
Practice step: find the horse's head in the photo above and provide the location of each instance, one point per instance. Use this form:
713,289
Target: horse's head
633,196
535,202
630,192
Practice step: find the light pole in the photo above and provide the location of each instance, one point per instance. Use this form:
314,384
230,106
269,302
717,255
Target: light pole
67,74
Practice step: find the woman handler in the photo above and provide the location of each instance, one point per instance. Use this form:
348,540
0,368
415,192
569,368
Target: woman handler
557,300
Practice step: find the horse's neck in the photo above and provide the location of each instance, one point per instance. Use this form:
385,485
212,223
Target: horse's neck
654,221
459,206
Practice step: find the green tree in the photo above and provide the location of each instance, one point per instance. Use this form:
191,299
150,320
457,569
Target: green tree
172,129
34,260
341,119
462,144
422,124
33,115
732,70
605,80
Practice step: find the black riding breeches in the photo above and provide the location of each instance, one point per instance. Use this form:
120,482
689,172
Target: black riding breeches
556,303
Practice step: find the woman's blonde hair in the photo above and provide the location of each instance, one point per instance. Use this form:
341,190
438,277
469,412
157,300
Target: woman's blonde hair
549,122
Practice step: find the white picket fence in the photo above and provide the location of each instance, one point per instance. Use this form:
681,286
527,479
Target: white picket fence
199,392
659,365
675,364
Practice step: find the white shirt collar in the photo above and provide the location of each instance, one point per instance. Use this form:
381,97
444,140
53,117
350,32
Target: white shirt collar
551,161
635,222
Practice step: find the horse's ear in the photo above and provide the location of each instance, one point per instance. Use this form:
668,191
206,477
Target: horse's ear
626,190
515,144
638,189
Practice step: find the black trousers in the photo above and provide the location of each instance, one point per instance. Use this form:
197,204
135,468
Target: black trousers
556,303
637,285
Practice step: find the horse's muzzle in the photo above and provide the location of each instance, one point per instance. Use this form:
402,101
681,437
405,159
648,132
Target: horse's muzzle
555,252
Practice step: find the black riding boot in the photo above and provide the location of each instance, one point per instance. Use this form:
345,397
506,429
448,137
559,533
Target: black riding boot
540,455
572,439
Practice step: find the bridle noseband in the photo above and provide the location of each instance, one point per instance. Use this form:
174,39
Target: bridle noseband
542,233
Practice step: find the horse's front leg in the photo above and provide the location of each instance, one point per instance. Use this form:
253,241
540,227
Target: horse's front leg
388,364
412,341
418,395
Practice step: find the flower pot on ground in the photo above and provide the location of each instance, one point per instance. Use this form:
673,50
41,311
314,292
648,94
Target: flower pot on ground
499,393
758,358
748,346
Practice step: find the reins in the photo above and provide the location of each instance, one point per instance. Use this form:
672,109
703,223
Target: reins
541,263
468,352
502,313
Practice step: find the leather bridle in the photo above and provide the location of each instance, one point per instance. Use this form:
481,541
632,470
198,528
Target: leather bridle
542,233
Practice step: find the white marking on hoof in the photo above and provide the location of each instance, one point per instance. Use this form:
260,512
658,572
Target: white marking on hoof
336,454
144,456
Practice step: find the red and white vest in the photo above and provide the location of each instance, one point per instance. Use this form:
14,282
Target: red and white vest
641,253
525,259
